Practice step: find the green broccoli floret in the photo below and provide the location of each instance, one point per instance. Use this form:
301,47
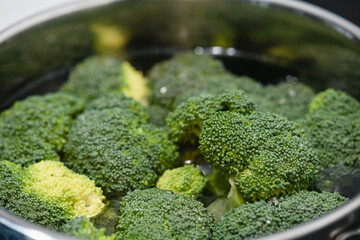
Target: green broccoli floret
48,193
81,227
265,152
189,75
262,218
183,76
117,148
35,129
170,79
186,121
97,75
187,180
335,101
118,100
289,99
334,132
158,214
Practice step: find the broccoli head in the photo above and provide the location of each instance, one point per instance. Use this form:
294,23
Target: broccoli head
333,128
265,152
334,101
187,180
118,100
261,218
83,228
35,129
289,99
97,75
47,193
185,75
186,121
335,136
116,147
158,214
170,79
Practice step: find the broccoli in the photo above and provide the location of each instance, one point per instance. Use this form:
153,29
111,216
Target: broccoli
171,78
188,75
97,75
183,76
83,228
48,193
333,128
187,180
185,122
289,99
118,100
118,149
266,153
261,218
35,129
158,214
334,101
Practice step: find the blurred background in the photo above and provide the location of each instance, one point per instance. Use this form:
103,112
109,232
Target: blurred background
15,10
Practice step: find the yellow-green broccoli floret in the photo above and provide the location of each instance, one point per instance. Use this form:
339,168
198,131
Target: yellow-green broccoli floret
187,180
83,228
52,180
35,129
47,193
97,75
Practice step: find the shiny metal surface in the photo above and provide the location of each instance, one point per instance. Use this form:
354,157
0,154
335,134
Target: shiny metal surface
323,50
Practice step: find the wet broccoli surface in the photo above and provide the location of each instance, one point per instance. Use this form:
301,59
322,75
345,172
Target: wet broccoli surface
187,150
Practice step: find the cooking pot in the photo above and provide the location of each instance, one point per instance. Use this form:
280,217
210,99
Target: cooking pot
269,40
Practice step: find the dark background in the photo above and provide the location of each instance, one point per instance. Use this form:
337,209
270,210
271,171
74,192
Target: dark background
349,9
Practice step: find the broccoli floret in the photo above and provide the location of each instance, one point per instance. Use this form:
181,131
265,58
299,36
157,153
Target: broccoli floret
97,75
265,152
82,227
187,180
336,140
183,76
117,148
333,128
188,75
185,122
47,193
176,76
262,218
335,101
289,99
35,129
247,84
158,214
118,100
